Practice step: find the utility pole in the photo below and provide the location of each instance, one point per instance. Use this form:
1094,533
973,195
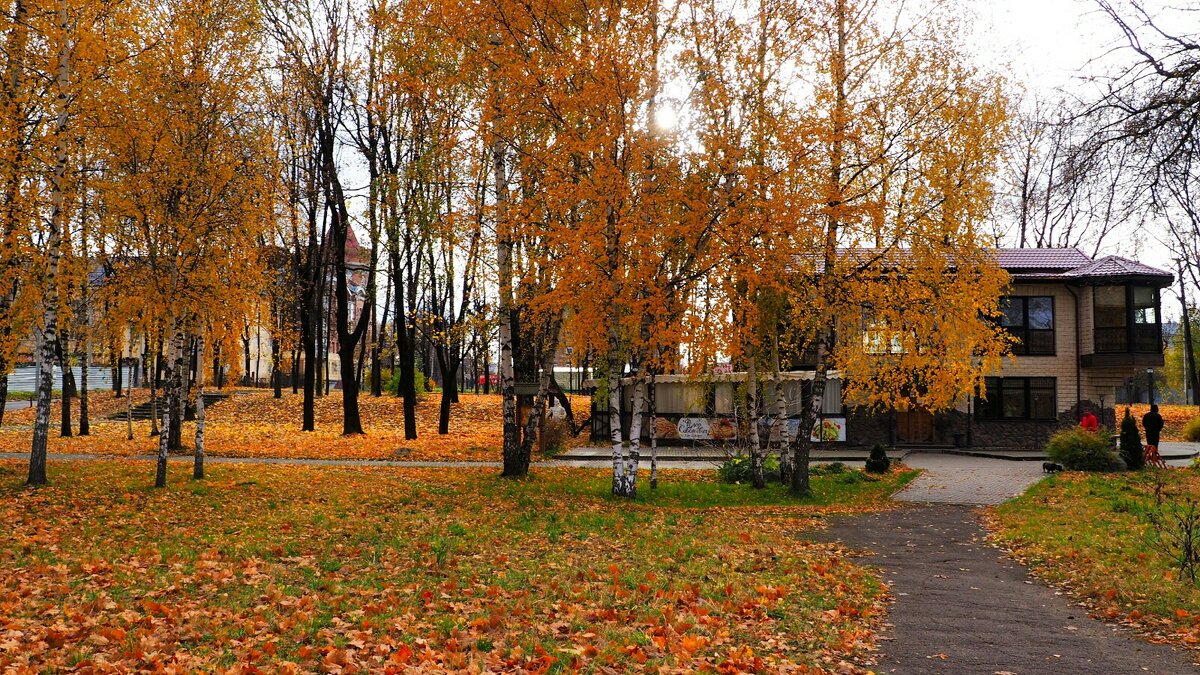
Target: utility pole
1191,378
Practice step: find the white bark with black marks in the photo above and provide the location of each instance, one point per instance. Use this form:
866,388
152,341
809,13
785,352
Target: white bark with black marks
49,277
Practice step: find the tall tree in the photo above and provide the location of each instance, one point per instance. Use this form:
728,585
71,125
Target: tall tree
189,186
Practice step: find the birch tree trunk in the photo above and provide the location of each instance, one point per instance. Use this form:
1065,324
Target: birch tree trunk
516,462
756,453
164,438
49,277
779,431
614,413
638,406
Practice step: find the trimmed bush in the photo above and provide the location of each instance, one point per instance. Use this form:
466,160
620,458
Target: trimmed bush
1131,442
1191,430
1078,449
878,461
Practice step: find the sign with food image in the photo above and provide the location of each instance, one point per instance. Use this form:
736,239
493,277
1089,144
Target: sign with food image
829,429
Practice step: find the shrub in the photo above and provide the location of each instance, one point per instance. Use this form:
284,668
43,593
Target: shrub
1191,430
878,461
392,383
737,469
1078,449
556,431
1131,442
826,469
854,476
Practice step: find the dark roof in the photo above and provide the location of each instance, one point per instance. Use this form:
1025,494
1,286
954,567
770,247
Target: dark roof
1062,265
1071,265
1045,259
1114,266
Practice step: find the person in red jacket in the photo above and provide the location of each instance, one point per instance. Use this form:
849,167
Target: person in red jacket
1090,422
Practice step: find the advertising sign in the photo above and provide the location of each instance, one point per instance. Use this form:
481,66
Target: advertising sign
829,429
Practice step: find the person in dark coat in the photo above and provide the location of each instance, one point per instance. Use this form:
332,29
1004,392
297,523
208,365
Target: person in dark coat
1152,424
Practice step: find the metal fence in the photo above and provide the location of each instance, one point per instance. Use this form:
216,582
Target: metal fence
24,378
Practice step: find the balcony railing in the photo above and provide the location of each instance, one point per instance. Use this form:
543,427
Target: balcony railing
1142,339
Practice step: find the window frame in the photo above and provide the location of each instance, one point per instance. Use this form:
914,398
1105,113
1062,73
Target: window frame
1023,332
992,408
1133,335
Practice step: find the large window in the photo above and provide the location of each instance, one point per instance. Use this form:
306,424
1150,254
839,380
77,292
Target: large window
1031,321
1018,398
1127,320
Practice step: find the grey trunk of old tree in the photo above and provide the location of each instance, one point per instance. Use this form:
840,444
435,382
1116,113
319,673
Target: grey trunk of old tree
198,455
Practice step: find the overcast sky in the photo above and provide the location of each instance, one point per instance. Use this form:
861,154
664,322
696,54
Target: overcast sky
1048,45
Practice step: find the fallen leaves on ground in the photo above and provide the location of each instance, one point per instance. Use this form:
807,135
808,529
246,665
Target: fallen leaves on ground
293,569
1174,418
251,423
1087,534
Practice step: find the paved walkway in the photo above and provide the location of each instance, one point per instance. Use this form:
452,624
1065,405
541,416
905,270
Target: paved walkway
961,608
958,479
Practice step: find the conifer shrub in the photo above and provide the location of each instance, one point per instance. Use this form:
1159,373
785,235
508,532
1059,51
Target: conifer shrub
878,461
1131,442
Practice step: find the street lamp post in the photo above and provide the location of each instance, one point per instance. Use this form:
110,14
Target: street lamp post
1150,380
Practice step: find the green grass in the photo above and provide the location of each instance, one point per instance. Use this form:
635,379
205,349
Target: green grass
1091,532
14,396
264,564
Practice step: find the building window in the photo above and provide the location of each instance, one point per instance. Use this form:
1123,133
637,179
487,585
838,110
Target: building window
1030,320
1127,320
1018,398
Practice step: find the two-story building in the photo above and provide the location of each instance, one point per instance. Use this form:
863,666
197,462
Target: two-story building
1082,328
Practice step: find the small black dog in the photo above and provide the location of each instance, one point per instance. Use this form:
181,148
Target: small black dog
1051,467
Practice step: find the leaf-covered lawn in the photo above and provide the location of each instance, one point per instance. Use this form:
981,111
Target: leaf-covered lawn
289,568
251,423
1088,533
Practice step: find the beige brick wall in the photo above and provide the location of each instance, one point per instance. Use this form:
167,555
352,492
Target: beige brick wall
1086,320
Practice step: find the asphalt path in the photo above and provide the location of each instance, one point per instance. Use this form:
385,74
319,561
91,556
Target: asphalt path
961,607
